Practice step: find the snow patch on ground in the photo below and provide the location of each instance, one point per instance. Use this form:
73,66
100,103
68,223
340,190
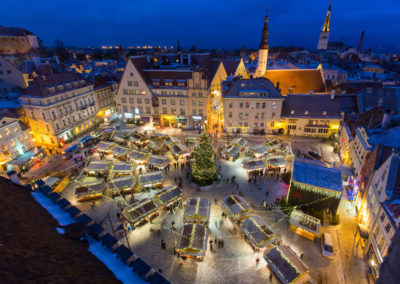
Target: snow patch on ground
60,230
122,271
60,215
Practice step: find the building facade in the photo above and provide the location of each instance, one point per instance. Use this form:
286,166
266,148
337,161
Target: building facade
11,76
15,41
104,92
59,108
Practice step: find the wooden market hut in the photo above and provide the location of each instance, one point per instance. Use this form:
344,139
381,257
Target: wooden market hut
153,147
304,225
124,184
231,153
287,266
275,161
258,232
170,140
98,167
236,207
241,142
272,145
140,212
169,195
123,169
197,211
253,164
89,191
179,151
193,241
104,147
151,180
120,152
258,151
138,157
158,162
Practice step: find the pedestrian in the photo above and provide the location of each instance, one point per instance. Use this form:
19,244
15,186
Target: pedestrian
257,261
222,243
301,255
216,239
237,186
276,219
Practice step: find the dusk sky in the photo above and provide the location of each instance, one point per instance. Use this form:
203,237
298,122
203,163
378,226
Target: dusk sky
205,23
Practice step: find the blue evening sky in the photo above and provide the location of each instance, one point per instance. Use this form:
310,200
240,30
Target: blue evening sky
205,23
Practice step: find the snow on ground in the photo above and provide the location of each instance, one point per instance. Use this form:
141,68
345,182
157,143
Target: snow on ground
60,215
122,271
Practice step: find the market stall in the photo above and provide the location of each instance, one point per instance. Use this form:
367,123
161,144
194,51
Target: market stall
123,169
169,195
151,180
124,184
275,161
241,142
304,225
258,151
158,162
287,266
154,148
258,232
139,139
236,207
89,191
272,145
253,164
197,211
179,151
138,157
98,168
170,140
104,147
140,212
120,152
120,136
193,241
231,153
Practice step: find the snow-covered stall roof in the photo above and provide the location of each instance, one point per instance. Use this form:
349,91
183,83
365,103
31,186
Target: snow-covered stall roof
258,231
306,222
232,151
275,161
121,168
150,178
98,166
316,173
259,150
179,150
171,140
120,151
122,183
89,190
104,146
240,142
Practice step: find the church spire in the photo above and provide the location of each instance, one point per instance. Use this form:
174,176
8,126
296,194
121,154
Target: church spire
326,28
264,39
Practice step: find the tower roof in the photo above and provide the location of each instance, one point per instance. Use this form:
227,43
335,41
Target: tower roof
326,27
264,38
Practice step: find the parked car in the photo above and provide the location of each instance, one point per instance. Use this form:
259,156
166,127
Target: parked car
315,155
327,245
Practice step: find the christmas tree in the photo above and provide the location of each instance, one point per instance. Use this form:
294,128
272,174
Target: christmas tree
203,168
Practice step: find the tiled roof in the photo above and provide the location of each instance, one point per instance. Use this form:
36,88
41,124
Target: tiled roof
167,75
11,31
244,87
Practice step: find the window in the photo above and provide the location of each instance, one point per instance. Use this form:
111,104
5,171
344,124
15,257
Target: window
262,115
7,131
388,227
323,131
200,103
182,102
200,95
382,217
262,124
292,127
172,102
131,100
58,127
163,101
125,109
272,124
263,105
123,100
148,111
124,91
129,83
164,109
291,120
12,143
131,74
230,114
193,112
241,105
246,115
273,105
140,110
182,111
273,115
146,101
309,130
4,147
20,139
25,136
15,128
246,124
193,94
257,105
257,116
306,112
292,112
139,100
230,105
193,103
64,123
247,104
200,112
240,115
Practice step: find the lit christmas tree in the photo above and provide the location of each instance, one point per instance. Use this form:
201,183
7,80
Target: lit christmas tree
203,168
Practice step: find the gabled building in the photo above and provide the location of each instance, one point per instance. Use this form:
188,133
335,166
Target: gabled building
14,41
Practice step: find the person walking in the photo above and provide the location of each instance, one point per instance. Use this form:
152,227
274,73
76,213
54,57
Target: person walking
257,261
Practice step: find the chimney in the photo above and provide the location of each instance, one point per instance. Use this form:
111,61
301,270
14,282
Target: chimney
333,93
13,176
277,85
36,60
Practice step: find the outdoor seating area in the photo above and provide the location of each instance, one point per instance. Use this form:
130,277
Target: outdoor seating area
151,180
197,211
140,212
193,241
89,191
125,184
236,207
169,195
97,167
258,232
304,225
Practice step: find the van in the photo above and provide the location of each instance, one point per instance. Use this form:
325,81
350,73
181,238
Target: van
327,245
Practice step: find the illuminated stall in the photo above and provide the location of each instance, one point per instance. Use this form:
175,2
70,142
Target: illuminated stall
272,145
126,184
304,225
98,168
287,266
197,211
169,195
158,162
89,191
104,147
258,232
150,180
241,142
193,241
138,157
236,207
123,169
140,212
139,139
275,161
120,136
231,153
154,148
120,152
253,164
170,140
258,151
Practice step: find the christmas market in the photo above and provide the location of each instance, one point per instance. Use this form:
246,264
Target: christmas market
179,151
138,157
151,180
120,152
286,265
253,164
197,211
258,232
138,139
153,147
231,153
120,136
98,167
258,151
122,169
304,225
236,207
157,162
104,147
170,140
89,191
272,145
169,195
275,161
241,142
193,241
140,212
124,184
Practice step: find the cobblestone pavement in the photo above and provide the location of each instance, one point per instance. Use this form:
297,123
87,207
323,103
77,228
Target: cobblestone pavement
236,262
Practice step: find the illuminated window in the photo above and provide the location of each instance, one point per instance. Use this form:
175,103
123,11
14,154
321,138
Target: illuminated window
15,128
247,104
4,147
273,105
20,139
306,112
324,112
12,143
7,131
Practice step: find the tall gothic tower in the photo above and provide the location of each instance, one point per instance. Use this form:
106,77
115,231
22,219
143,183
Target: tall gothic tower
263,51
324,34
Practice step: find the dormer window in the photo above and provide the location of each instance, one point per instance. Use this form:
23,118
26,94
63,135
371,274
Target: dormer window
306,112
292,112
324,112
82,82
243,85
60,87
